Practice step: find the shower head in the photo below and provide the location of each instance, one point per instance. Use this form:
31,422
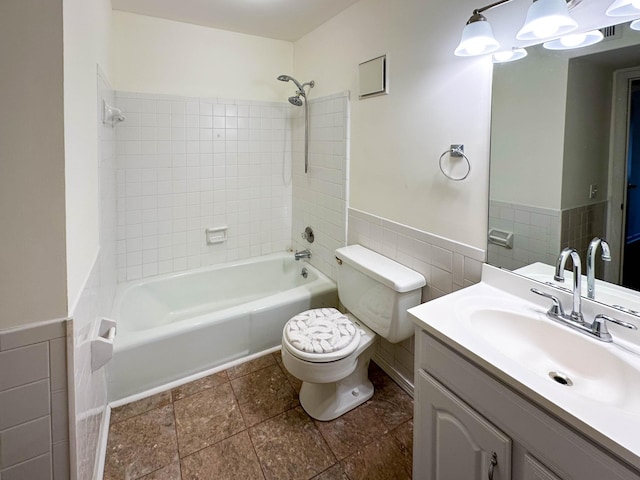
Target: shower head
295,101
287,78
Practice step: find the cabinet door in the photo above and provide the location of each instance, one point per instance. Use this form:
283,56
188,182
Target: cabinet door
452,441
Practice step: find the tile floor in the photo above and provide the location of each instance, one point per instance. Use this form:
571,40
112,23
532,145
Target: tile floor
246,423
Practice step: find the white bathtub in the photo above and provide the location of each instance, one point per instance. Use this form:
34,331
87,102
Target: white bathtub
177,325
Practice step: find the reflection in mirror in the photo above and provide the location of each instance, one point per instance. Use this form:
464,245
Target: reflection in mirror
562,123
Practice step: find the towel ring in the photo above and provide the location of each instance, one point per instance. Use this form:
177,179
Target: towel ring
455,151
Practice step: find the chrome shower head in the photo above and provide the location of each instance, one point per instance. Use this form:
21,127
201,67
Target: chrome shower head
287,78
295,101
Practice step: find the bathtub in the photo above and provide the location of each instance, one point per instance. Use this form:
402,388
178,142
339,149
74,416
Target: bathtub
174,326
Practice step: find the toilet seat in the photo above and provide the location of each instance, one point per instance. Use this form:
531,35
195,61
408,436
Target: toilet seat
321,335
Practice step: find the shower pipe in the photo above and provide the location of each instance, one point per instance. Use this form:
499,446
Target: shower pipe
296,101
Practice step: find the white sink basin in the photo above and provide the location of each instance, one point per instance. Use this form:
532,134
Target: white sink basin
503,327
594,369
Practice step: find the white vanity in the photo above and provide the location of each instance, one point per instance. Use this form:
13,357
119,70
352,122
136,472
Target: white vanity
504,392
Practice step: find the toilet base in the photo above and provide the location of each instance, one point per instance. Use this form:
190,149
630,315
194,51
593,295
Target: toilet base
327,401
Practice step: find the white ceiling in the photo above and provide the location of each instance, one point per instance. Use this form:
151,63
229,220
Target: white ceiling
280,19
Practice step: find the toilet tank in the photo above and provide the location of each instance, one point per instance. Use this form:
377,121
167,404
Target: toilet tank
378,291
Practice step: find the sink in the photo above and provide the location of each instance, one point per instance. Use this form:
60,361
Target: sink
525,335
502,327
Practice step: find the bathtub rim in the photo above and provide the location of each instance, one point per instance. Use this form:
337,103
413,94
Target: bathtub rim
132,338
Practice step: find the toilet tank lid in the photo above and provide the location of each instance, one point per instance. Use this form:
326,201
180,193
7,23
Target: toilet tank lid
382,269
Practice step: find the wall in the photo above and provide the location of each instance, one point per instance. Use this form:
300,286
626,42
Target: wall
86,43
89,397
586,134
446,265
529,96
153,55
34,428
536,234
435,99
186,164
32,190
320,196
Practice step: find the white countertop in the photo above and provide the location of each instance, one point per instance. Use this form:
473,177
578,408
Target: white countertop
611,418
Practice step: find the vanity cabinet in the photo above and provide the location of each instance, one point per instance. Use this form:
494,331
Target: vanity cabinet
464,414
455,441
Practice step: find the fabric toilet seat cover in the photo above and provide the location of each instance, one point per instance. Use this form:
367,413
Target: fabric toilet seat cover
322,334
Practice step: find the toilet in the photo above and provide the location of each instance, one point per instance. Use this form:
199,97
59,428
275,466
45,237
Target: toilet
330,351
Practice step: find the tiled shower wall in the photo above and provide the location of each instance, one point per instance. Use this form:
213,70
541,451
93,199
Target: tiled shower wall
536,235
187,164
320,196
95,301
446,265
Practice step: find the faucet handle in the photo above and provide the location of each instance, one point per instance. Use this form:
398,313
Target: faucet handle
600,330
556,309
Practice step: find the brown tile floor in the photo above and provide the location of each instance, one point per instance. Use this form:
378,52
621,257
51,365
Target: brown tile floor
247,423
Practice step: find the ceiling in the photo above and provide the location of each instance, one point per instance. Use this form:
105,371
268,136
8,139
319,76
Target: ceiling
280,19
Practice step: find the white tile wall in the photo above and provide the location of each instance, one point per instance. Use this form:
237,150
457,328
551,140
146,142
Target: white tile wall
320,196
90,395
536,234
33,406
186,164
446,265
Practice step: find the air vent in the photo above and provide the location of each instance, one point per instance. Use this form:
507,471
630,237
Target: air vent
610,32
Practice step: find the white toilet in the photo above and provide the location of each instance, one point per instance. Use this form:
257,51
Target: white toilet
329,351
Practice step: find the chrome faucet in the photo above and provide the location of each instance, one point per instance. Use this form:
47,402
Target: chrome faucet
591,263
597,328
576,312
302,254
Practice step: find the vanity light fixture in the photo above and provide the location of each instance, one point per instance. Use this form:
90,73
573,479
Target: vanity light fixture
635,25
509,55
477,37
547,18
621,8
575,40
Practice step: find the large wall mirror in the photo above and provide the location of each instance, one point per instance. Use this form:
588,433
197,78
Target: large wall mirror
562,150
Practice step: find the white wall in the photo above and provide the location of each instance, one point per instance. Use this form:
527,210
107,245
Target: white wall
86,35
153,55
32,202
435,99
528,120
586,137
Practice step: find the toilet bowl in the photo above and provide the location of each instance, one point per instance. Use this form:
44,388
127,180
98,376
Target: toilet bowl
330,351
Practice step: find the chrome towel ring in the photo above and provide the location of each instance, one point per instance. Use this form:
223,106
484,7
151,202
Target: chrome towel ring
455,151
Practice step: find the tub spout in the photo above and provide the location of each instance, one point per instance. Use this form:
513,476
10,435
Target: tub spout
302,254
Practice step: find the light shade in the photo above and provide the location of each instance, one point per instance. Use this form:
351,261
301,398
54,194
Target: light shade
622,8
547,18
574,40
635,25
477,38
509,55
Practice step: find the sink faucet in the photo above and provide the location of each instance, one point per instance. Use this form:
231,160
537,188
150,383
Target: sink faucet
591,263
302,254
576,312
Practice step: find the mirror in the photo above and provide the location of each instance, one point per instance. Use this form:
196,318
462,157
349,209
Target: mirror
558,173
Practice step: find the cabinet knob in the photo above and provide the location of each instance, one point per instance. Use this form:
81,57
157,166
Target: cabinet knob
492,465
